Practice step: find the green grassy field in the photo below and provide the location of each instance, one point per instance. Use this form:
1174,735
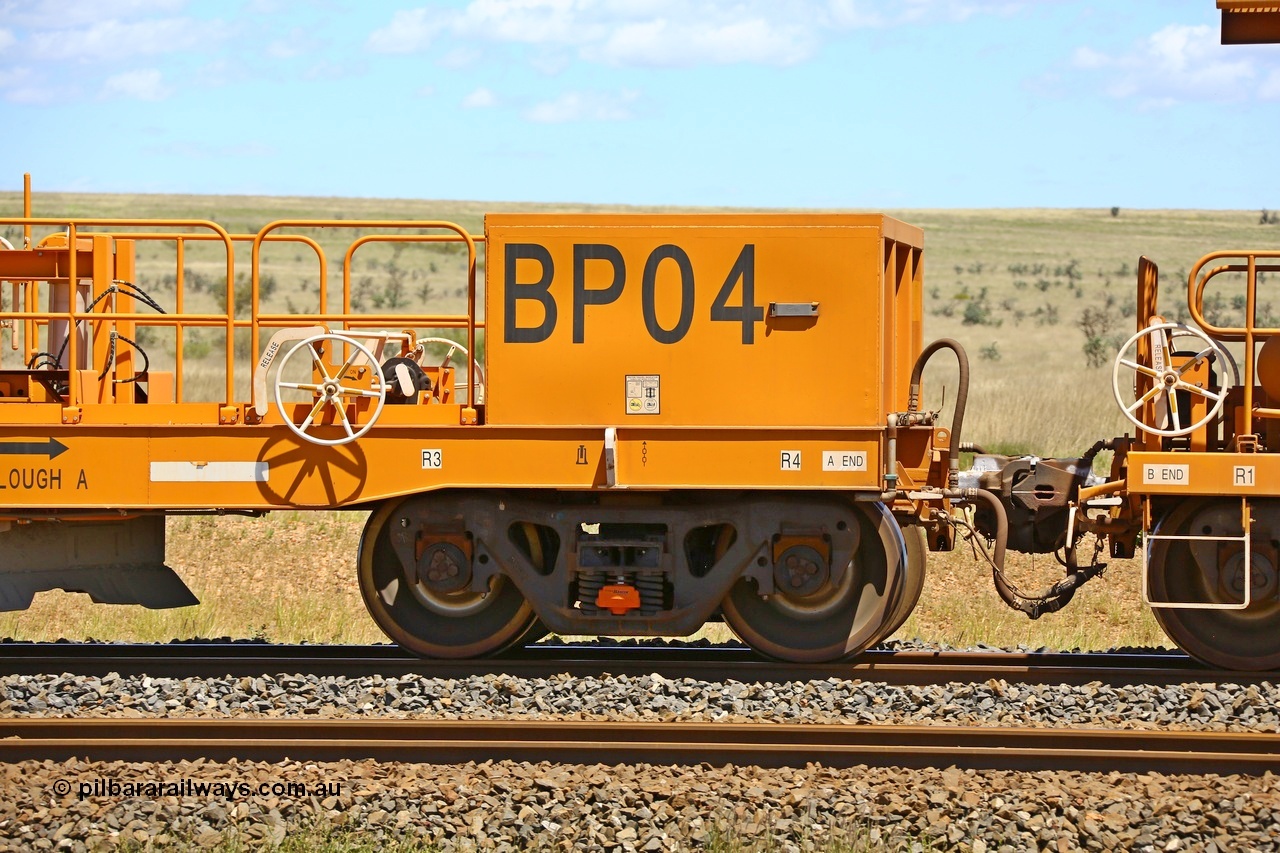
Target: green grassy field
1013,286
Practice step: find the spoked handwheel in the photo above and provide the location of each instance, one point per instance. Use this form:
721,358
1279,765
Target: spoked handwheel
475,374
431,612
1163,376
330,389
1213,571
828,621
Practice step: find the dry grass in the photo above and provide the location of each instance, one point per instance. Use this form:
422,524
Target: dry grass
288,577
959,606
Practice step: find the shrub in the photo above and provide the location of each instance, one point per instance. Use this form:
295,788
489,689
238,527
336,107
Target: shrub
977,312
1096,323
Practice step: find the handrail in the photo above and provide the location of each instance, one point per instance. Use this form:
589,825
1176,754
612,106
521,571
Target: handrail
1196,285
473,363
367,321
72,225
81,228
180,241
425,224
1249,332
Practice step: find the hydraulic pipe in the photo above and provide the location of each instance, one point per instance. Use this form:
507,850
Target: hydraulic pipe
962,395
1052,599
1002,534
891,464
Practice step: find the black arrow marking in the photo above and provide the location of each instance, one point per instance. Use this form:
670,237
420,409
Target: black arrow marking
52,448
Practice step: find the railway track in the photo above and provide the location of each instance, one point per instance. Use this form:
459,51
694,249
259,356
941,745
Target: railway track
710,663
596,742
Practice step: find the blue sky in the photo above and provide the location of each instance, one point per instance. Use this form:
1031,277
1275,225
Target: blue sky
805,103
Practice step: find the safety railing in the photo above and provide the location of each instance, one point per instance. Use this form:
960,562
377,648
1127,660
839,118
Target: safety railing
1245,537
34,319
1250,333
180,319
350,320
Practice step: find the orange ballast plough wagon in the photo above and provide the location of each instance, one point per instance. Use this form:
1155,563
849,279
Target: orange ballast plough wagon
641,422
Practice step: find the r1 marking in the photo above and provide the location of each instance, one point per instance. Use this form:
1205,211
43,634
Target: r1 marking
1242,475
432,459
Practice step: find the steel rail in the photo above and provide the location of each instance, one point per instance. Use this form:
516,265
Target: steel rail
577,742
240,659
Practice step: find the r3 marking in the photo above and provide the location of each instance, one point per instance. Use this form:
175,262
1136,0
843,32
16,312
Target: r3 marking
666,266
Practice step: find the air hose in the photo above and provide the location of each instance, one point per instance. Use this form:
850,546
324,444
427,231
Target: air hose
962,394
1050,600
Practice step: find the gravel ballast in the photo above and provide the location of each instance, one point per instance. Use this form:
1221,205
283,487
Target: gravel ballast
1220,707
509,805
513,805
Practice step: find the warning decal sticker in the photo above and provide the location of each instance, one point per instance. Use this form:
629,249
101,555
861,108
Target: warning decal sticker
642,395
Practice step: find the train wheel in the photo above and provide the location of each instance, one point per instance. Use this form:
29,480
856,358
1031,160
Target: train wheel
913,582
835,620
430,622
1213,571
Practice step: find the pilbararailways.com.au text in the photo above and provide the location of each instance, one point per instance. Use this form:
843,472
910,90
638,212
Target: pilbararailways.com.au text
226,790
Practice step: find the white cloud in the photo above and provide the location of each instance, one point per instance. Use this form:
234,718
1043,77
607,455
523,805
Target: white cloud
584,106
13,76
410,30
281,49
663,43
64,14
542,21
142,85
21,86
1181,63
1270,89
266,7
962,10
460,57
297,42
550,63
666,33
325,70
221,72
480,99
874,13
105,39
59,39
1089,59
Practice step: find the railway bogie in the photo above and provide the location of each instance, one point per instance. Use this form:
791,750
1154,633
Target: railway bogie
454,566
